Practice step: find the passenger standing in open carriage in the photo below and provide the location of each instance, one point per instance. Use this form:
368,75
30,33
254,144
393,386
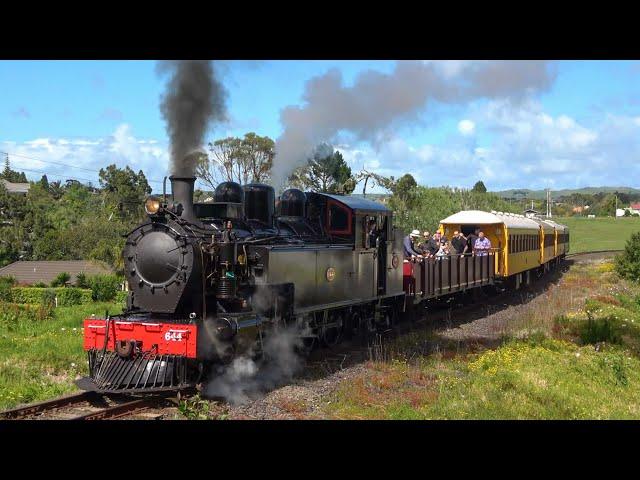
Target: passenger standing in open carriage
432,245
471,242
458,243
423,246
443,251
482,245
409,251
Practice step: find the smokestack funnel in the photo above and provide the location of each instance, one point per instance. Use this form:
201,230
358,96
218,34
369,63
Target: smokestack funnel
182,190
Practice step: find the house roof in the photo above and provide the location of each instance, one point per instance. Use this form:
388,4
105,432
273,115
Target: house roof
635,206
15,187
31,272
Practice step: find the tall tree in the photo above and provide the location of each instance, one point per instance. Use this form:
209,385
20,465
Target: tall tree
404,187
12,175
258,152
325,173
233,159
124,191
479,187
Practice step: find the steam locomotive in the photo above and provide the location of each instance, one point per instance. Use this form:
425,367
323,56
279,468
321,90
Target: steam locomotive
209,281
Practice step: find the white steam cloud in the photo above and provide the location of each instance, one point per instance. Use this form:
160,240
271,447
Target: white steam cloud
245,377
377,101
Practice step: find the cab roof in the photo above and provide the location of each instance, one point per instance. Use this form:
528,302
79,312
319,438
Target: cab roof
357,203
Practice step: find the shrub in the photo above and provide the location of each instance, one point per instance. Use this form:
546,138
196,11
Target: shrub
73,296
104,287
628,263
40,285
11,313
121,296
5,288
46,296
82,281
61,280
599,330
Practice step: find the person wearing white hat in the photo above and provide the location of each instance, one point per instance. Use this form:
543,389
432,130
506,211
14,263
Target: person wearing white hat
409,251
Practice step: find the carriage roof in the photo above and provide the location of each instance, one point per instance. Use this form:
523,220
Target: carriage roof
479,217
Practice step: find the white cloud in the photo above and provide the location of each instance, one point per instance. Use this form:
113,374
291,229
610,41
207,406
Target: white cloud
528,148
466,127
86,156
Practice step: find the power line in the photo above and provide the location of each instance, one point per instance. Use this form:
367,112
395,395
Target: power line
61,164
57,175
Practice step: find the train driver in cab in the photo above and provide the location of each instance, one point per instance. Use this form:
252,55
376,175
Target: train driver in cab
373,233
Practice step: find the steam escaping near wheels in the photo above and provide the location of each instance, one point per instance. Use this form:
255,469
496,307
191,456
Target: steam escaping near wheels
254,372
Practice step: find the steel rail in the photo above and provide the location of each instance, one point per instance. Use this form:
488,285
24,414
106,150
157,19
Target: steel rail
41,407
117,411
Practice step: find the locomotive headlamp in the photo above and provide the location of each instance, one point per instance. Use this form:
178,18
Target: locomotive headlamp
151,205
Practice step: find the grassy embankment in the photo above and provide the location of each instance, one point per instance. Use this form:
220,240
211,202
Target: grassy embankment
41,359
573,354
589,234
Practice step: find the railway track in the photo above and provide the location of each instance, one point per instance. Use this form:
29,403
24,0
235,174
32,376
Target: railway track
88,406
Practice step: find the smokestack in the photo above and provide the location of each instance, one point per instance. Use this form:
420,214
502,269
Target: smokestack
182,189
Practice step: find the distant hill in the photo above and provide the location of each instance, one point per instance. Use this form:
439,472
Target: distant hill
541,194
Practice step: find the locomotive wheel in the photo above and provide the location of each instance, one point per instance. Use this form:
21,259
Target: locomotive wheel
367,327
352,325
332,335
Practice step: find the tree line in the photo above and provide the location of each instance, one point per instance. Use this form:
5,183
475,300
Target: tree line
73,221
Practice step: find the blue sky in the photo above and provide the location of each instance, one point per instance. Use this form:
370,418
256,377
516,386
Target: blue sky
579,125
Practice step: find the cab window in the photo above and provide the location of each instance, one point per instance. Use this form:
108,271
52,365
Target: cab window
339,220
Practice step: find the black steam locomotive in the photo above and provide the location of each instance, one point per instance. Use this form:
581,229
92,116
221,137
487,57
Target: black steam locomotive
210,280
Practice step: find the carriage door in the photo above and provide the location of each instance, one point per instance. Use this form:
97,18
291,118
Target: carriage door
368,269
383,273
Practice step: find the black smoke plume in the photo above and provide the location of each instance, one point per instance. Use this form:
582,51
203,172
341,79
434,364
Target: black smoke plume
194,98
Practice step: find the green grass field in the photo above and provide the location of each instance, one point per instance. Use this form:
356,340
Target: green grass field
588,234
40,360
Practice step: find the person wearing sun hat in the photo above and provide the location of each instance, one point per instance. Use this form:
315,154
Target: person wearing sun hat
409,251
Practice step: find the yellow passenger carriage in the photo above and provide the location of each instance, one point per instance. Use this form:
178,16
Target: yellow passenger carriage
522,245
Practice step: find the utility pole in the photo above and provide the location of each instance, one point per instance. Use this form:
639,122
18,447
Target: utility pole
615,213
